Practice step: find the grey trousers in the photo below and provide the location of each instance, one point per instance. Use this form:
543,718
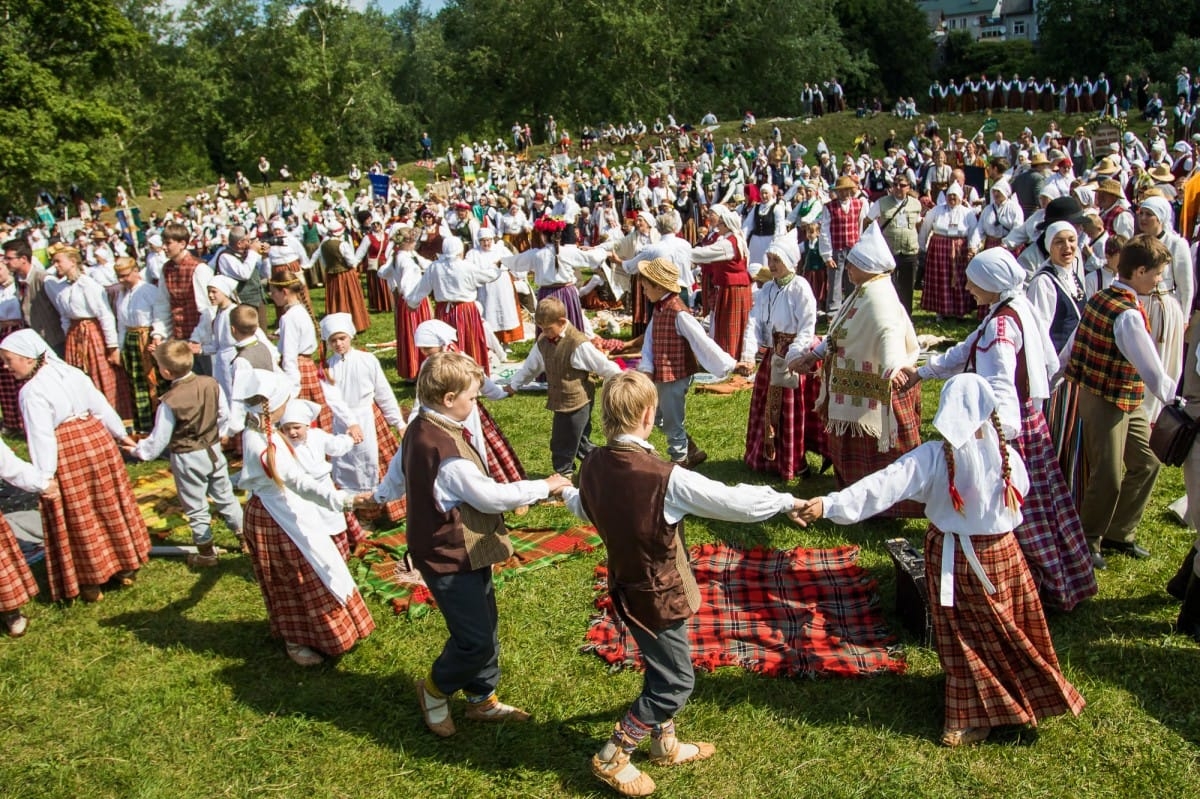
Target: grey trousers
470,660
570,437
669,678
200,476
672,406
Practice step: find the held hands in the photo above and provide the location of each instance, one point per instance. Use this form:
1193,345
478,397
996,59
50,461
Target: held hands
365,501
803,364
805,511
904,377
52,491
355,432
745,368
557,483
509,390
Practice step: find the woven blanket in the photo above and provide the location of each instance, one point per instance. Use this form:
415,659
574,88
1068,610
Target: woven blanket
382,571
799,612
731,386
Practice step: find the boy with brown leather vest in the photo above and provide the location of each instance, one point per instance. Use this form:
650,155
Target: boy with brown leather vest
569,360
455,533
637,502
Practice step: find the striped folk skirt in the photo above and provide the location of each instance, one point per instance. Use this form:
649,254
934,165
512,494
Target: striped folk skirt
503,463
996,650
9,386
388,446
17,585
143,377
856,456
945,292
727,325
464,317
1066,436
85,349
408,357
310,389
95,529
783,425
300,608
1051,535
344,294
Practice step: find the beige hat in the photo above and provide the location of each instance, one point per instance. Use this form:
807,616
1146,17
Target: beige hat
845,182
1038,159
1161,174
661,272
1107,166
1110,186
763,276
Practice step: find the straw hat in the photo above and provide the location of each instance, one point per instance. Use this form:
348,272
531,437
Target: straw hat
662,273
1110,186
1107,166
1161,174
845,182
1039,159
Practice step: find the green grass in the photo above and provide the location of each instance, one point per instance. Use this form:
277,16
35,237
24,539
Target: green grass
173,688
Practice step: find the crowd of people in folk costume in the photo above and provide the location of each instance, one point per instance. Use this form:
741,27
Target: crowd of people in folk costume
1072,261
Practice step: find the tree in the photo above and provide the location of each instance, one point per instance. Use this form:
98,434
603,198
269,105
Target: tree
891,35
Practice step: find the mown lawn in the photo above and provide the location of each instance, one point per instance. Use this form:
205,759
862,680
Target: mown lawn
173,688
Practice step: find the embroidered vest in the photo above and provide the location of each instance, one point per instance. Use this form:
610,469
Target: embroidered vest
845,225
1096,364
673,356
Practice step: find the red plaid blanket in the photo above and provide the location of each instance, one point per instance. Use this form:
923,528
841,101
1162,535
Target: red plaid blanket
778,612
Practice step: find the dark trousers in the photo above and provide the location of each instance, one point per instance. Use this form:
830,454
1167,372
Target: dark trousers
470,660
202,365
570,438
903,278
669,678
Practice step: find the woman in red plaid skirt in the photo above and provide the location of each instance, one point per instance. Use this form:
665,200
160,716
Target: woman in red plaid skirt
989,626
948,238
502,461
291,524
94,530
12,318
17,585
403,272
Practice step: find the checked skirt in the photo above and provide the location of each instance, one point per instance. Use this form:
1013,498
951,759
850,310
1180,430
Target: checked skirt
143,377
95,529
996,650
299,607
310,389
85,350
408,357
464,317
388,446
9,386
945,292
17,585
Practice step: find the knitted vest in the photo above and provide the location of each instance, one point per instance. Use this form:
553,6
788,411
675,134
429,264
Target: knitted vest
673,356
177,277
1096,364
331,256
568,388
845,225
464,539
194,401
257,355
732,272
623,488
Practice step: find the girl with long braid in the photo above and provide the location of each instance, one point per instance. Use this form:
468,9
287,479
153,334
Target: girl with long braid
988,622
298,342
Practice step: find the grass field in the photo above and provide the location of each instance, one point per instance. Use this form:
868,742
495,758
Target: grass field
173,688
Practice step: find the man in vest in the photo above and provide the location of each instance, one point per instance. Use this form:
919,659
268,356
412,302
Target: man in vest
1114,209
899,216
186,280
240,260
1113,362
841,225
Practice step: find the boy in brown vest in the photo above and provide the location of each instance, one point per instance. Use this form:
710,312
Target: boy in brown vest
1114,362
188,423
637,502
675,348
453,542
569,360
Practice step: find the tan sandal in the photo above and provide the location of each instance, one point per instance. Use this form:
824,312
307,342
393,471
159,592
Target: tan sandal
965,736
495,711
443,728
621,775
304,656
668,750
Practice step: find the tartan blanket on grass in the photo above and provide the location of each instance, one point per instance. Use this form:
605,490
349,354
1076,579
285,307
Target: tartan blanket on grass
383,572
798,612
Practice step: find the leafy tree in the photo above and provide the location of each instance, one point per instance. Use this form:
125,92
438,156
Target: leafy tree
891,34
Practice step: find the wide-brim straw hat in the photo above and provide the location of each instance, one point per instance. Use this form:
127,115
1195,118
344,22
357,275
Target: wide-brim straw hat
845,182
661,272
1161,174
1039,158
1107,166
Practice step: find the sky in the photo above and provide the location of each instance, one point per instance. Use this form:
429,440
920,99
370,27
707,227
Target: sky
432,6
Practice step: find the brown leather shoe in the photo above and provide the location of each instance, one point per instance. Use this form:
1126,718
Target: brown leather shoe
668,750
621,775
91,593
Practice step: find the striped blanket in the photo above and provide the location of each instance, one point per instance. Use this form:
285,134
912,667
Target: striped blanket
783,613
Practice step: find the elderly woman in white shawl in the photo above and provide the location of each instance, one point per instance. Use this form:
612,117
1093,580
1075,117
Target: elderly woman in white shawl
498,299
1013,352
1001,216
990,628
726,260
1170,304
948,238
868,421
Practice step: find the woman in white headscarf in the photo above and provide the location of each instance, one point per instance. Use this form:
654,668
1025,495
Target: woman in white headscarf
728,266
1013,352
948,238
990,628
94,529
403,272
782,425
295,529
868,421
1171,301
498,299
454,283
641,235
1001,216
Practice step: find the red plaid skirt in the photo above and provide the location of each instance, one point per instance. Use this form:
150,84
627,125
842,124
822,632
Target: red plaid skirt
344,294
996,650
354,535
503,463
727,325
945,292
85,350
310,389
17,585
856,456
408,357
707,289
818,279
10,409
799,428
464,317
299,606
379,294
95,529
388,446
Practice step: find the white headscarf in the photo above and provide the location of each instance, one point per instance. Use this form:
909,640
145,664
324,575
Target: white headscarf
997,270
275,386
788,251
1161,208
1054,230
452,247
26,343
966,404
225,285
335,323
434,333
872,254
301,412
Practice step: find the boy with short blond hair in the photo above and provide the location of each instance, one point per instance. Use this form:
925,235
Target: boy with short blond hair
190,418
637,502
569,359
